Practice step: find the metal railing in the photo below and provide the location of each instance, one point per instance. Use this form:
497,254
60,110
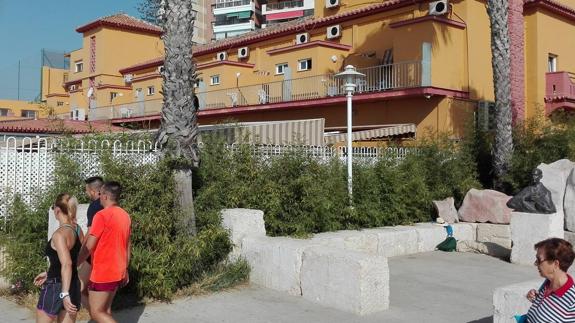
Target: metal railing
377,78
127,110
228,4
285,5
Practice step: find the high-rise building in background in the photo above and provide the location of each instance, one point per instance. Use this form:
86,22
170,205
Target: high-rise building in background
203,24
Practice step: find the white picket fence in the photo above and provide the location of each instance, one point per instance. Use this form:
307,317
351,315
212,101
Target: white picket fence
27,164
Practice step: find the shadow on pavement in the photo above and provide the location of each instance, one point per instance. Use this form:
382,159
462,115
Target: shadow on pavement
488,319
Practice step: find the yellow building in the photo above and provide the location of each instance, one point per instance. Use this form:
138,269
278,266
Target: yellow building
14,109
426,65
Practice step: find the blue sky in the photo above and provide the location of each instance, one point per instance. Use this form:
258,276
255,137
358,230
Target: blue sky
27,26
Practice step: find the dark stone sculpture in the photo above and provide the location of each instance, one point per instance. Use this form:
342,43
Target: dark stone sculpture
535,198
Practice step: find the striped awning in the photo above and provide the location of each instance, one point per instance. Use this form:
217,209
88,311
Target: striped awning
289,132
383,132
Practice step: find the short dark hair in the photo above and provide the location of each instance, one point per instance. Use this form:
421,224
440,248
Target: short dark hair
557,249
94,182
114,189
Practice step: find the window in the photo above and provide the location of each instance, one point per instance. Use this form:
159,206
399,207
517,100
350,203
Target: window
59,103
214,80
138,93
79,67
552,63
280,68
304,64
151,90
28,114
4,112
113,95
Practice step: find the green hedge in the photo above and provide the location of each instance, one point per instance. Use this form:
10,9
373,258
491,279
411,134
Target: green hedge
301,195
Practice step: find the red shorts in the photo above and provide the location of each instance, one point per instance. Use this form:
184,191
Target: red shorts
104,287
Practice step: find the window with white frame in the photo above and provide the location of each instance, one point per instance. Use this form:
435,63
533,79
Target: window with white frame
280,68
78,67
28,114
304,64
214,79
151,90
4,112
113,95
552,63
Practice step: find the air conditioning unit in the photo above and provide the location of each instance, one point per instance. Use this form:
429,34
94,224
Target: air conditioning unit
302,38
161,69
128,78
333,32
438,8
222,56
243,52
331,3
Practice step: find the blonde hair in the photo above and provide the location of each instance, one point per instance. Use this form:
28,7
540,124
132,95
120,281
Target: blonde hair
68,205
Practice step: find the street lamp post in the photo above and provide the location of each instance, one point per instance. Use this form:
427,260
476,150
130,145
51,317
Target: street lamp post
351,78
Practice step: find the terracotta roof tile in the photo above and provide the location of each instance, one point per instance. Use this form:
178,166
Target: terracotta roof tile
122,21
554,6
145,64
56,126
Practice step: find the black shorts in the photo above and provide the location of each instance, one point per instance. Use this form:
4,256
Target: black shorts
49,300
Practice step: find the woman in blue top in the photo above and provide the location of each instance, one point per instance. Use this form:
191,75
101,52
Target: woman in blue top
60,294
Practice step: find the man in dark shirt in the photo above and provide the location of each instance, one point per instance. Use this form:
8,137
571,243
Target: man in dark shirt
93,185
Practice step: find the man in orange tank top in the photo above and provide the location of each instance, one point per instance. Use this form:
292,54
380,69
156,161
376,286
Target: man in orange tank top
108,243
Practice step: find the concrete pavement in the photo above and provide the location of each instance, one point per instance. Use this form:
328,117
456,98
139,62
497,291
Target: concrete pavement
431,287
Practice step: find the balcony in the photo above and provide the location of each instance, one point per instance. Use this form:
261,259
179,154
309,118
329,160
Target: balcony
227,7
559,91
271,9
234,25
379,78
126,111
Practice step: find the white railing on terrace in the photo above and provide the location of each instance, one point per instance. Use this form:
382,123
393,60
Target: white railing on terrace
228,4
378,78
285,5
127,110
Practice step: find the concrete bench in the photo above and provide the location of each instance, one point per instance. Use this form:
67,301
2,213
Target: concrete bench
510,300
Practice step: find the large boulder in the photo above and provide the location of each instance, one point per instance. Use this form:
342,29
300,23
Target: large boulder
569,202
485,206
446,210
555,180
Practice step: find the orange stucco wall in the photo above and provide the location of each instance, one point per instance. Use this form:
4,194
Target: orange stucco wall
16,107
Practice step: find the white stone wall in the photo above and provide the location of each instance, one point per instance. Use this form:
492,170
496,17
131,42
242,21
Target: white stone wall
510,300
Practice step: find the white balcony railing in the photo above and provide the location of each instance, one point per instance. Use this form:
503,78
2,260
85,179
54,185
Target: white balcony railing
378,78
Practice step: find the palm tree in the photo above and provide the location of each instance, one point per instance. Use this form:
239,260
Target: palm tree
501,64
179,125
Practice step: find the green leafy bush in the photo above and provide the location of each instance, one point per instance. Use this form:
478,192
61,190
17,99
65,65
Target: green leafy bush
164,258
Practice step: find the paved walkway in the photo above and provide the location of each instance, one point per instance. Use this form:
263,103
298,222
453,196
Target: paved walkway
431,287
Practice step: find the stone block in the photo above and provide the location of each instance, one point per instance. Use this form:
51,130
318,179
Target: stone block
242,223
569,236
569,202
499,234
446,210
395,241
363,241
555,180
81,218
485,206
465,231
529,228
275,262
350,281
510,300
429,235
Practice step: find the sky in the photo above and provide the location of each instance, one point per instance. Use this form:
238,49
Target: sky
28,26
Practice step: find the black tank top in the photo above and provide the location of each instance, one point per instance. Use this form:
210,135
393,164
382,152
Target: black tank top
55,270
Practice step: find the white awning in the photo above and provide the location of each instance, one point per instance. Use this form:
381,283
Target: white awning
393,130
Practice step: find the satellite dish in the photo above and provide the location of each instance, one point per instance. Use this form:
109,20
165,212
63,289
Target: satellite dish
90,92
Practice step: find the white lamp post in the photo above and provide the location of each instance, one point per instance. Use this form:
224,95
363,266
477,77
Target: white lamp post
351,78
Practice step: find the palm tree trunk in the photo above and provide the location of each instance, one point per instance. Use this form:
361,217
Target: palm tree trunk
501,63
179,127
